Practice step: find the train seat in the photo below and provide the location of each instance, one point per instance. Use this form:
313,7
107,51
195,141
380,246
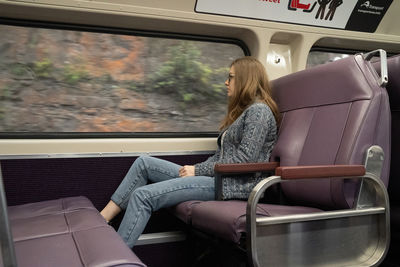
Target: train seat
333,150
393,89
66,232
229,217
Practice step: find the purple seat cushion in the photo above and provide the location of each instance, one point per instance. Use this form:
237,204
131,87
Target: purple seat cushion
100,246
66,232
229,217
184,210
49,207
53,224
56,250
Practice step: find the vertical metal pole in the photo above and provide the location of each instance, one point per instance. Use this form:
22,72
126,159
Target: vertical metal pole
6,240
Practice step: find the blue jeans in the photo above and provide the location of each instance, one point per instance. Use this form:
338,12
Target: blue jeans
140,199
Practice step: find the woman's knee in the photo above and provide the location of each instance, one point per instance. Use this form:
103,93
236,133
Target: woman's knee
140,163
140,196
144,160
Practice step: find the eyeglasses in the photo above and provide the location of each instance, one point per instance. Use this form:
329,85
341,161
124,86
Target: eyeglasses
230,77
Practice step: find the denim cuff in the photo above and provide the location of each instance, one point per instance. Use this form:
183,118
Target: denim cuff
119,201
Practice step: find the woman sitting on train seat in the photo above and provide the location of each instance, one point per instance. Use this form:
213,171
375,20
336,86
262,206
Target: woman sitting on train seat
248,134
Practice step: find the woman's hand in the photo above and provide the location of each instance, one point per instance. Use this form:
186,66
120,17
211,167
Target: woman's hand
187,170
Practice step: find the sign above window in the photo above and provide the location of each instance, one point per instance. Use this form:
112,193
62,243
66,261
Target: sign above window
356,15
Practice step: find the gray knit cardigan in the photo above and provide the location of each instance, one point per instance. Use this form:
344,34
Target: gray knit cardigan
250,138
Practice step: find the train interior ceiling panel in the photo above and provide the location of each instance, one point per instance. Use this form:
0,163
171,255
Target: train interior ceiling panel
88,87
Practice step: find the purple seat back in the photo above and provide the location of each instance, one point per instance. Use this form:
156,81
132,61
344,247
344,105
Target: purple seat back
331,114
393,89
393,86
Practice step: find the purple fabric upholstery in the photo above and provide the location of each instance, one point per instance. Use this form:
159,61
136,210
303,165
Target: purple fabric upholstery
229,217
52,224
66,232
331,114
49,207
393,89
184,210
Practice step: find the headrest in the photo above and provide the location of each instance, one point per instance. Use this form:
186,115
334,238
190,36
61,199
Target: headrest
393,86
337,82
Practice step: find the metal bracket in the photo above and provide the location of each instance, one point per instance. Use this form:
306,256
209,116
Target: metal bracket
383,59
373,164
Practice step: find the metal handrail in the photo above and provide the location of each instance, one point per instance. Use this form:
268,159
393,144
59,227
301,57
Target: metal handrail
383,60
6,240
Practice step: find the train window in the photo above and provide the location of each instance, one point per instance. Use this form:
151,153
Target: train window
321,57
57,80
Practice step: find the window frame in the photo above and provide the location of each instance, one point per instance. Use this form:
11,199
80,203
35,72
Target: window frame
121,31
333,50
342,51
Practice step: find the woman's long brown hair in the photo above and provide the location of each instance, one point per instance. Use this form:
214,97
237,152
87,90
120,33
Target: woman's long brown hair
251,85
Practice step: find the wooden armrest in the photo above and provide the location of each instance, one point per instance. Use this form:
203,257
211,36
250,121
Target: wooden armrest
321,171
238,168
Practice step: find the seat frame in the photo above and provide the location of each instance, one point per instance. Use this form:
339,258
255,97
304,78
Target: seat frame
357,237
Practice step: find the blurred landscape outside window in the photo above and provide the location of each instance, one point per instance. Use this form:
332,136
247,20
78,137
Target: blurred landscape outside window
321,57
55,80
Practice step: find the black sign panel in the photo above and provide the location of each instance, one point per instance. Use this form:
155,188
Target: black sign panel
367,15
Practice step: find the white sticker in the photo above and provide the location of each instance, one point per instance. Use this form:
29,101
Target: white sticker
325,13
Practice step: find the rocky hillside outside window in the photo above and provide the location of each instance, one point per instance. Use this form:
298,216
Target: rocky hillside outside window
55,80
